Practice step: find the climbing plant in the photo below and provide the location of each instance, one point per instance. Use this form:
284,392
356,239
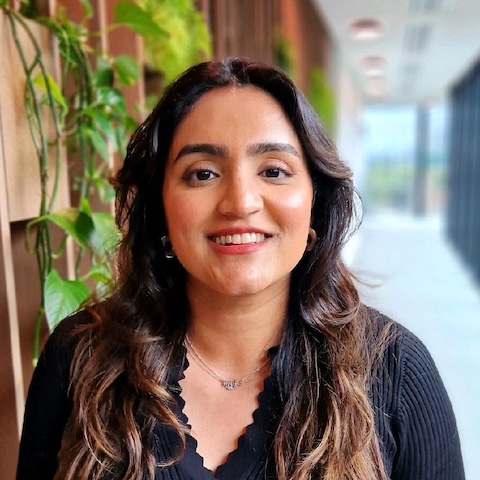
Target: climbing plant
187,39
90,120
321,96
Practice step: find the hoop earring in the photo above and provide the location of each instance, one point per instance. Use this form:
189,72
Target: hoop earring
311,240
168,247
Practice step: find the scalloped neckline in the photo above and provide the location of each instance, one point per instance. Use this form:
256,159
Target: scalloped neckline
252,444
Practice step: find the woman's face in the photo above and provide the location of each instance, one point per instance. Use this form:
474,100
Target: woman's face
237,193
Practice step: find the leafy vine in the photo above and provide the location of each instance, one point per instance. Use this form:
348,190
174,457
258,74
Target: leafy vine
88,112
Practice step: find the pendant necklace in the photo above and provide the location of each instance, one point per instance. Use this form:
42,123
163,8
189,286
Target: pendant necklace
228,384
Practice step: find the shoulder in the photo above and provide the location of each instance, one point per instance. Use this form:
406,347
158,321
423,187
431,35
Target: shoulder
63,337
60,346
414,416
405,366
401,346
48,404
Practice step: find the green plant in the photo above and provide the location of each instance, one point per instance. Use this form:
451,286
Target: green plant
283,52
89,117
186,39
321,96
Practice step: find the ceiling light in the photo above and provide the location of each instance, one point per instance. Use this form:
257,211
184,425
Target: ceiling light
373,64
365,28
376,86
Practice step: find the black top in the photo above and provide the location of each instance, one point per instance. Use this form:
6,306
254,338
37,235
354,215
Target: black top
413,416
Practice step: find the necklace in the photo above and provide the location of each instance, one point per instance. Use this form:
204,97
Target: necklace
228,384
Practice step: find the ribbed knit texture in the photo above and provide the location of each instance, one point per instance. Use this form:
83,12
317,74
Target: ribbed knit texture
413,417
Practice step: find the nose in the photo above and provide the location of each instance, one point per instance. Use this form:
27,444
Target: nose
241,196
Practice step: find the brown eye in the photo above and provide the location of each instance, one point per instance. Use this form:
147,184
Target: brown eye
203,175
275,173
198,177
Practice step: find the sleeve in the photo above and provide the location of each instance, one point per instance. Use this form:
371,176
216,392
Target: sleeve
47,407
428,445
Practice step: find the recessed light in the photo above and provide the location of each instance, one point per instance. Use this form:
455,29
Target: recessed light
373,64
376,86
365,28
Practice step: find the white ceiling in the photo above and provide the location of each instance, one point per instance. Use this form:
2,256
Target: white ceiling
427,44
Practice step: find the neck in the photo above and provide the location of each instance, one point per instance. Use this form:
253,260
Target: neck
237,330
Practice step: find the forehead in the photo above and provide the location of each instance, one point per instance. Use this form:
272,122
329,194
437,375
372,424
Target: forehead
242,113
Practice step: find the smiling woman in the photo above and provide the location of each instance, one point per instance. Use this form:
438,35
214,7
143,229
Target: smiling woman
235,345
239,175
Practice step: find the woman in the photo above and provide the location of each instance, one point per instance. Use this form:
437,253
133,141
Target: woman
235,345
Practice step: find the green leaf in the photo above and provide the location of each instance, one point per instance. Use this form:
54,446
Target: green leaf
103,123
29,9
127,69
133,16
95,231
87,9
100,274
62,297
85,206
106,235
47,81
104,189
104,73
99,144
112,97
79,225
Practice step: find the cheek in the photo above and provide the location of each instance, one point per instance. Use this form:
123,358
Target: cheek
182,215
297,207
174,209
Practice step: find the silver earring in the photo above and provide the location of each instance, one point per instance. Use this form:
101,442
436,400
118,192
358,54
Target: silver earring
311,240
168,247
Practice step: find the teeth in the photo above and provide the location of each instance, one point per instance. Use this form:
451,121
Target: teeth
240,239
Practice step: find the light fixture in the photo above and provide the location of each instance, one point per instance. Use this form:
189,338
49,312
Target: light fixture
365,28
373,65
376,86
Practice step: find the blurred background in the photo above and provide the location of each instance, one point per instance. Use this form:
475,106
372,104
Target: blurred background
395,82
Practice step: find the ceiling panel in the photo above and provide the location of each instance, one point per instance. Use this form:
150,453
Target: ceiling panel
427,45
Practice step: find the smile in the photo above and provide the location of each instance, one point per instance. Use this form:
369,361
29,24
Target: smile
239,238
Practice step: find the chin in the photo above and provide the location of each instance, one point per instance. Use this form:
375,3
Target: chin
251,287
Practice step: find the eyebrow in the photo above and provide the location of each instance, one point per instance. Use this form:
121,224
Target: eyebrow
259,148
222,151
209,148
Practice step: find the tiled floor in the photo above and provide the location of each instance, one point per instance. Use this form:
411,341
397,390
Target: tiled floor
421,282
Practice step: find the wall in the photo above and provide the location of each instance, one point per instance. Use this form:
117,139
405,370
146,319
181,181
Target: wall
19,203
239,27
463,216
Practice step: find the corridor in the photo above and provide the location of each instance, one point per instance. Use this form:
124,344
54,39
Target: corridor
417,279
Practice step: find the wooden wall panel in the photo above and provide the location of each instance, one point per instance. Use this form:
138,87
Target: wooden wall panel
19,202
9,428
11,381
21,165
239,27
302,25
242,28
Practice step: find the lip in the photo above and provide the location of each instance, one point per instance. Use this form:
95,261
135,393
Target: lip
238,249
238,231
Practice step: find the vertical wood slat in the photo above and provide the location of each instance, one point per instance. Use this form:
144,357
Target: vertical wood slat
19,202
9,275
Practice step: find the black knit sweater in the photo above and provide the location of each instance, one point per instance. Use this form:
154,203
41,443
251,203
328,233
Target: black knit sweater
413,415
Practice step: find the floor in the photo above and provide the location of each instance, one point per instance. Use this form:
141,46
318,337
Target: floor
416,278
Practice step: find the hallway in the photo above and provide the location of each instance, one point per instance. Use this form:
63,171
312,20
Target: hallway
420,282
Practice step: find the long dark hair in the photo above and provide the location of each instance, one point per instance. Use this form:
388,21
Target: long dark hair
121,364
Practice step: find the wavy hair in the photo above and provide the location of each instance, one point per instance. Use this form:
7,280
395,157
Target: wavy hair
120,367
